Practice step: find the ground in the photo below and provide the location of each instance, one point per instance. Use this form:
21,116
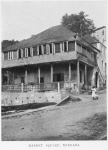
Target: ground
85,120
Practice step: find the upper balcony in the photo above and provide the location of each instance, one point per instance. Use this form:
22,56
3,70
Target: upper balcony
53,52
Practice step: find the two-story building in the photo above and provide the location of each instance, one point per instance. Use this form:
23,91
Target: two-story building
54,55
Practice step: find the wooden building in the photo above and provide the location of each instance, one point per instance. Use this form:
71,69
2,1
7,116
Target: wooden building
54,55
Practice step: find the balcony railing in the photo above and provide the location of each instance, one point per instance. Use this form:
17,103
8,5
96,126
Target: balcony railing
42,87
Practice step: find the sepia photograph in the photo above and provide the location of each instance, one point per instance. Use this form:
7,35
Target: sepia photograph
54,71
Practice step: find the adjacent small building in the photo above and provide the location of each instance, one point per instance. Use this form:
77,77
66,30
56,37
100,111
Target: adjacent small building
52,56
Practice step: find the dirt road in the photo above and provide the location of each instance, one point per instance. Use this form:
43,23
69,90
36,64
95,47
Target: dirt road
55,123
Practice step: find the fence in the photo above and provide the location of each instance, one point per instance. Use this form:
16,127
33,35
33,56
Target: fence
55,86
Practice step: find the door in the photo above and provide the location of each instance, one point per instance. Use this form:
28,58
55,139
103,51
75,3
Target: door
96,79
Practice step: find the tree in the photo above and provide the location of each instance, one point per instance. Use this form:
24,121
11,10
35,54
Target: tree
7,43
78,23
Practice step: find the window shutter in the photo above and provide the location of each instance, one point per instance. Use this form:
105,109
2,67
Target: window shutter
47,48
17,53
61,49
37,50
21,53
67,45
31,51
26,52
12,55
3,56
53,48
8,55
42,49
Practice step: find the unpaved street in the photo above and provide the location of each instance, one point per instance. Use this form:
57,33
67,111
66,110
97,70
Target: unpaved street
53,123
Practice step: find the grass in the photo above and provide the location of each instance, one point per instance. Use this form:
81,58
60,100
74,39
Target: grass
26,106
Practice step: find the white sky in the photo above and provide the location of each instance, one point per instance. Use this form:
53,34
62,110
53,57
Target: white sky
20,20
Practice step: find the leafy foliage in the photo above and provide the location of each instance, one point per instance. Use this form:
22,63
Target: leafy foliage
7,43
78,23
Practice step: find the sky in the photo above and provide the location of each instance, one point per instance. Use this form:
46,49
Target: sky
20,20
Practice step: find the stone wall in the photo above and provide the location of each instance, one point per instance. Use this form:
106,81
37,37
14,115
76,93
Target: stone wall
9,99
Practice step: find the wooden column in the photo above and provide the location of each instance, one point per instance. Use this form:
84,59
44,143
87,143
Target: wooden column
51,73
78,76
69,71
26,80
86,75
39,74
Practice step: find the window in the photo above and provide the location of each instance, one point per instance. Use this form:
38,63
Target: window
83,50
57,77
22,80
29,54
41,79
80,76
50,48
47,49
103,32
10,55
35,52
24,52
79,48
31,51
102,64
19,53
44,47
40,50
6,56
65,47
57,47
105,68
15,54
71,46
88,54
92,55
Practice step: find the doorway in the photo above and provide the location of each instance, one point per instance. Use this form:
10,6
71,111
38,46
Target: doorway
96,79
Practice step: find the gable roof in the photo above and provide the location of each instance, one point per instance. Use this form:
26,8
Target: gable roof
53,34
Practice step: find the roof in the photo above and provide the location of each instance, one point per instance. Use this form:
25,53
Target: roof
53,34
100,28
90,39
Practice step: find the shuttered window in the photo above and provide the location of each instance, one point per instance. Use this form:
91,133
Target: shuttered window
31,51
14,54
50,48
65,47
6,56
24,52
47,48
84,51
71,46
44,47
19,53
57,47
35,53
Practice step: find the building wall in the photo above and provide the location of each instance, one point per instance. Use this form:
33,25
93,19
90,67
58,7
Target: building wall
101,35
45,71
101,60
